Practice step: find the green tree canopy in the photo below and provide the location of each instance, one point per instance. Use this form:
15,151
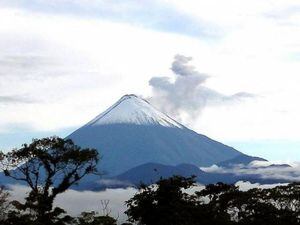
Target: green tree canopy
49,166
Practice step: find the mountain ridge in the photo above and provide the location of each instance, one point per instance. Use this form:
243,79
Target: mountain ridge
132,132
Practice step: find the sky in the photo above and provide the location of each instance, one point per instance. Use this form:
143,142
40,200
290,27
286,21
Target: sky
227,69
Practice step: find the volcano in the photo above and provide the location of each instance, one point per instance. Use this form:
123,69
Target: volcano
138,143
132,132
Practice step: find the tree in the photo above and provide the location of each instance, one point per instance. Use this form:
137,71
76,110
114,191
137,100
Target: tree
166,203
163,204
93,218
213,205
4,204
49,166
279,205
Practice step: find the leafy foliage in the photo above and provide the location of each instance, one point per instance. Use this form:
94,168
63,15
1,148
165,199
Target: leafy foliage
217,204
165,204
49,166
92,218
4,204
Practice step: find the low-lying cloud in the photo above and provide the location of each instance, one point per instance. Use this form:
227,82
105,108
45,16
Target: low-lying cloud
188,93
246,185
265,170
75,202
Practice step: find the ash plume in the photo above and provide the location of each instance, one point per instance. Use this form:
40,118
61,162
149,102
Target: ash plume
187,93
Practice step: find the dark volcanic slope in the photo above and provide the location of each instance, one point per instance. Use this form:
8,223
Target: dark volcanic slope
132,133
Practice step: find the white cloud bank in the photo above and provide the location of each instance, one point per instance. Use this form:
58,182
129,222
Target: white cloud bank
75,202
265,170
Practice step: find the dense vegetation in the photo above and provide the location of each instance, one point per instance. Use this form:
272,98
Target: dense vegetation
50,166
168,203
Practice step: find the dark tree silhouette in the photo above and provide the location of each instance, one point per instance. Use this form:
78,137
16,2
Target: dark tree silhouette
4,204
278,206
165,204
217,204
93,218
49,166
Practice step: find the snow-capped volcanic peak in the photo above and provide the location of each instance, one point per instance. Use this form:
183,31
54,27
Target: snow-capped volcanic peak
131,109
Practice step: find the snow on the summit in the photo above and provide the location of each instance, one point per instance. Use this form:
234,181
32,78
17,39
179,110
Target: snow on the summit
131,109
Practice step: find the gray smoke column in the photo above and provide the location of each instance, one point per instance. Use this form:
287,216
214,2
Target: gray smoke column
187,93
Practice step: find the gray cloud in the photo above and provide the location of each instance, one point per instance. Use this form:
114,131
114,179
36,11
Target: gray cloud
28,66
14,99
154,14
23,61
188,92
180,67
